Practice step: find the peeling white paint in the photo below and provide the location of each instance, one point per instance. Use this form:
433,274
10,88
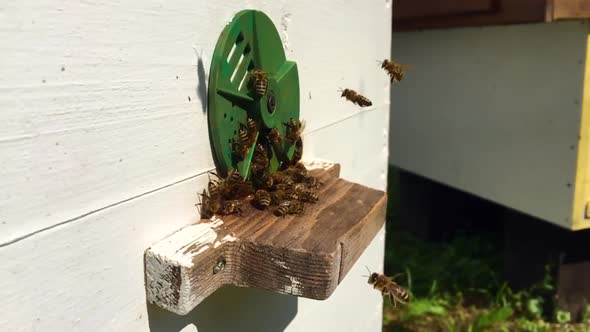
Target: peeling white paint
199,237
280,263
295,287
285,21
317,163
227,238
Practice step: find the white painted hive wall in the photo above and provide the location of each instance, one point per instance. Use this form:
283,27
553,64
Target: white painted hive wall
494,111
102,154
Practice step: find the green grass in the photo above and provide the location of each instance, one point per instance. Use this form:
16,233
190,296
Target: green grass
456,287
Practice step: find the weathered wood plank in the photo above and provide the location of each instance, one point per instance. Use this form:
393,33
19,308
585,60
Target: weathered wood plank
569,9
305,255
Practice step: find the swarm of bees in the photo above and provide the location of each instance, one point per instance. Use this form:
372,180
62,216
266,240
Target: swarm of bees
388,287
285,191
392,68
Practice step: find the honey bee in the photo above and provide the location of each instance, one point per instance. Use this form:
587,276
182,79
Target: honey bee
275,138
246,137
393,69
388,287
260,156
252,130
214,185
297,171
283,186
282,178
235,187
294,130
298,153
312,182
278,196
208,206
240,150
231,207
307,196
294,196
260,79
261,179
288,207
262,199
296,208
356,98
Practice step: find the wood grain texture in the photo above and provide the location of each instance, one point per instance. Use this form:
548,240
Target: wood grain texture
568,9
499,12
305,255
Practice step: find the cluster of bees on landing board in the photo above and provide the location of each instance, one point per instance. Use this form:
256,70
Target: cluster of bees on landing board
392,68
288,189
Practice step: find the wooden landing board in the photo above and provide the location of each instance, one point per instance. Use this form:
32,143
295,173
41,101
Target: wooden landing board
305,255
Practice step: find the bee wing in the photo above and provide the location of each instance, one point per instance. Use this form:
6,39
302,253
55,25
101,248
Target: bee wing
365,102
406,67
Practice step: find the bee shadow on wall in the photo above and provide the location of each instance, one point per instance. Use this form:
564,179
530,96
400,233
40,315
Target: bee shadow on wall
229,309
201,82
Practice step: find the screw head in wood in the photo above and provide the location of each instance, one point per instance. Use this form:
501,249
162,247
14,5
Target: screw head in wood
219,265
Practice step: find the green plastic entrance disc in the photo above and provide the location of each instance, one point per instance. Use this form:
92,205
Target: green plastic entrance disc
250,42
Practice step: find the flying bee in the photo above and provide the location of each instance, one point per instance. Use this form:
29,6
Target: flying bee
231,207
388,287
262,199
294,130
260,79
355,97
394,69
208,206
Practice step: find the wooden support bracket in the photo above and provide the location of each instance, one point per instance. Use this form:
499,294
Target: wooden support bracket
305,255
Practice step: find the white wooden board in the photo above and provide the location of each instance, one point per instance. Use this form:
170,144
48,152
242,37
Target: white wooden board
102,153
494,111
